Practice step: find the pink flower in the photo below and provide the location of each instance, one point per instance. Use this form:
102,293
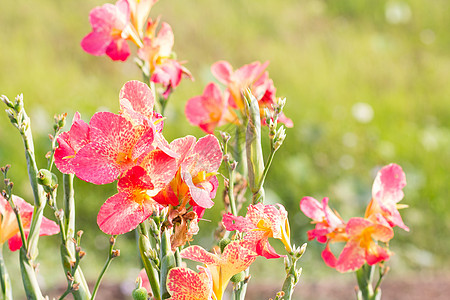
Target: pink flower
254,77
115,147
169,75
139,12
69,143
157,53
234,259
195,182
260,223
9,228
109,34
386,193
328,224
210,110
133,203
362,244
136,105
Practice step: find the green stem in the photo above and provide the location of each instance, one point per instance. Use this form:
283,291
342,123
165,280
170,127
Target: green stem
29,279
68,253
5,282
152,273
364,278
105,267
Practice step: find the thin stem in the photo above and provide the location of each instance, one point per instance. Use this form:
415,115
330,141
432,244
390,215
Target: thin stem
267,167
5,282
152,273
111,255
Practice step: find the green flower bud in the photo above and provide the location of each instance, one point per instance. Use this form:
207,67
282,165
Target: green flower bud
223,243
140,294
238,277
44,177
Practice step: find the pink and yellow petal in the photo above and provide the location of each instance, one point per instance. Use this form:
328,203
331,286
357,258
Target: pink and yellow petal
185,284
124,211
198,254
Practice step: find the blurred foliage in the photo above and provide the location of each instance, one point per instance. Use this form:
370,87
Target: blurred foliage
366,84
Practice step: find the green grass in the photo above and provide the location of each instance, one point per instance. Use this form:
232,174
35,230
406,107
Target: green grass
325,56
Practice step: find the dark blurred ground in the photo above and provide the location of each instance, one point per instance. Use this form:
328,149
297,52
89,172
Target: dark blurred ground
430,286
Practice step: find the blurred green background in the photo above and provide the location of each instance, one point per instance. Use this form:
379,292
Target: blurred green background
367,84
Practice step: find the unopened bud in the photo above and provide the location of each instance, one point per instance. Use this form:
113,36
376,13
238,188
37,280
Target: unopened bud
69,276
7,101
233,165
140,294
4,194
279,137
47,178
225,136
80,233
19,102
112,240
281,103
5,169
238,277
280,294
11,116
223,243
81,254
75,287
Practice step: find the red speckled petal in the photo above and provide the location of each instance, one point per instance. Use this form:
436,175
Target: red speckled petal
239,223
236,258
197,253
121,214
160,167
185,284
138,97
206,154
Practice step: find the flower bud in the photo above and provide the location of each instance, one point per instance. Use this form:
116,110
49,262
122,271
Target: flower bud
279,137
7,101
47,178
223,243
140,294
238,277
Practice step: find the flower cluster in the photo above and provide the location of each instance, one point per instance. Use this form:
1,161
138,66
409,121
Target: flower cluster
214,108
361,235
128,20
260,223
151,174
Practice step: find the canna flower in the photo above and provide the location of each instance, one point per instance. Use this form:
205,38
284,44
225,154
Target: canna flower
210,110
136,105
110,30
329,224
185,284
362,244
69,143
195,181
234,259
386,193
251,76
115,147
260,223
133,203
9,228
139,12
157,53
